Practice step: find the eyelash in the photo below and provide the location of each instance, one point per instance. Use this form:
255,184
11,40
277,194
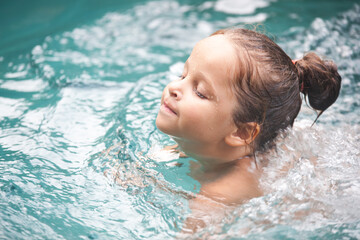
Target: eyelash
199,94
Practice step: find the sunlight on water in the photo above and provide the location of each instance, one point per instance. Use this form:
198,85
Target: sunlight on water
80,156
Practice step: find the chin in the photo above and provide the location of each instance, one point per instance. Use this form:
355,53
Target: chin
167,128
162,126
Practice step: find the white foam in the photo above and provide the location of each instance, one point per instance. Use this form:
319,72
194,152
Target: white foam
30,85
16,74
240,6
260,17
12,108
37,50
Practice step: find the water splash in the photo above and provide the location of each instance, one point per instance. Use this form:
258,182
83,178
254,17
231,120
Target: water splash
82,103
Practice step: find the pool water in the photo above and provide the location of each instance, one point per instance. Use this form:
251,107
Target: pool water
80,155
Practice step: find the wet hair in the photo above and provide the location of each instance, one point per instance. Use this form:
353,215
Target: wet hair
268,85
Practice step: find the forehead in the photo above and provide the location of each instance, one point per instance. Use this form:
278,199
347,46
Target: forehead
215,57
214,49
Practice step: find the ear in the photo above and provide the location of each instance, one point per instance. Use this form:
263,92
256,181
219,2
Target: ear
243,135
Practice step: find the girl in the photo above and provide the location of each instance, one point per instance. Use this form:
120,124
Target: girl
237,91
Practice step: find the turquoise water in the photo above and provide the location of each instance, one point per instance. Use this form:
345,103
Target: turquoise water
80,86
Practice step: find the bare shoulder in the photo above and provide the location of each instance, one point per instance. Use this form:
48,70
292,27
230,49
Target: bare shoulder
236,186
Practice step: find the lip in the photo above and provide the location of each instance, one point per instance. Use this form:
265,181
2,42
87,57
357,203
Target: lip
167,107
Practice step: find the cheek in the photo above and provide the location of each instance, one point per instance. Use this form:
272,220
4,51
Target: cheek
202,122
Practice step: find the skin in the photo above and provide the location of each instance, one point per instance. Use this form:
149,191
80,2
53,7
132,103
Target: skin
197,112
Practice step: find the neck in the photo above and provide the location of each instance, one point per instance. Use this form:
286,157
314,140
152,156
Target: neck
215,157
222,166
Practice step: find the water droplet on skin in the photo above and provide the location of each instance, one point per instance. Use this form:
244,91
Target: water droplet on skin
252,167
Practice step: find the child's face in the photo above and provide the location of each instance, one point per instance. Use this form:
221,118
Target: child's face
199,106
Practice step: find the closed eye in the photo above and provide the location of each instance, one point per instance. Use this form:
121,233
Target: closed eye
200,95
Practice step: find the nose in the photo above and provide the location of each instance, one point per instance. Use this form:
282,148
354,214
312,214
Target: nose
175,90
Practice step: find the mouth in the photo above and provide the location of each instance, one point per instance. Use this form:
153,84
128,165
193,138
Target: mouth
167,108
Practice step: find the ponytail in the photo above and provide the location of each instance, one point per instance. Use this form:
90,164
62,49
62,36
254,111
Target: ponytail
319,81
